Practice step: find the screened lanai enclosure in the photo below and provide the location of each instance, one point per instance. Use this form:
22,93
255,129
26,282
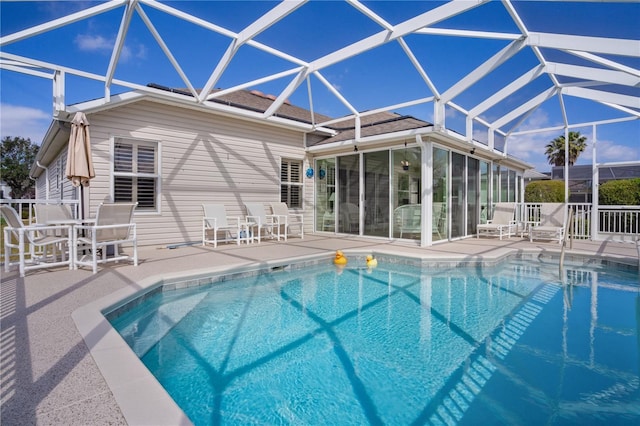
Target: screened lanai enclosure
401,119
379,193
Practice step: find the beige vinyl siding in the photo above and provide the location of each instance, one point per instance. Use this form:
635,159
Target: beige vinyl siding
204,158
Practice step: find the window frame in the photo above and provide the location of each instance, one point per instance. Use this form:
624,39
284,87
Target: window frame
288,183
135,142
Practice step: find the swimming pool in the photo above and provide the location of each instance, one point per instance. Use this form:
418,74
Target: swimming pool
398,345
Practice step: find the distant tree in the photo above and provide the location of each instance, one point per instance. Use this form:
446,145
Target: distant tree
16,157
555,149
544,191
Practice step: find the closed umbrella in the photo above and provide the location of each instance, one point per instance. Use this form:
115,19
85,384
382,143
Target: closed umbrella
79,168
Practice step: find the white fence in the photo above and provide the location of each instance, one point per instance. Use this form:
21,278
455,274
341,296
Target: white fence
24,207
613,222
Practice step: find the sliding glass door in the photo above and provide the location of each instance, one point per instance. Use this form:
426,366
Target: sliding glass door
348,208
376,193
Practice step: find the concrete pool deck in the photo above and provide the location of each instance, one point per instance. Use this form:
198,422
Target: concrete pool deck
49,376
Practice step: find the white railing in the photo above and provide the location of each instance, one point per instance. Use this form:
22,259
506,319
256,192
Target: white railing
621,222
25,209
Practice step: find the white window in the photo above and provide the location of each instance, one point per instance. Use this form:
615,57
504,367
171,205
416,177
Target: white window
136,173
291,183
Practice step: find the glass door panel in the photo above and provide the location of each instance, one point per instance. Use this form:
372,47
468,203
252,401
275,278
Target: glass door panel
325,194
458,189
407,191
440,205
376,193
348,210
473,194
484,191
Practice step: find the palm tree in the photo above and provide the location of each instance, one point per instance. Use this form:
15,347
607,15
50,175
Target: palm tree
555,149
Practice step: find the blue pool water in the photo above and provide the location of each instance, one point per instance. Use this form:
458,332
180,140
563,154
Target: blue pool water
399,346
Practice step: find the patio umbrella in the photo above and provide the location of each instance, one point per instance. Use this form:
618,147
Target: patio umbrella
79,168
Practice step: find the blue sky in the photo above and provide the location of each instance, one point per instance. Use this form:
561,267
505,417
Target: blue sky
377,78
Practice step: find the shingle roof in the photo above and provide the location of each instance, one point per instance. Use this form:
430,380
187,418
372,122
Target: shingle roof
256,101
374,124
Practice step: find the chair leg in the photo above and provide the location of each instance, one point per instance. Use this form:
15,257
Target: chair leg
21,252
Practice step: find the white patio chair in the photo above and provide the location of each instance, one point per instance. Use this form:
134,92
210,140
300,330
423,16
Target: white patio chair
503,223
438,218
113,226
552,223
407,219
215,220
290,219
53,214
33,235
258,218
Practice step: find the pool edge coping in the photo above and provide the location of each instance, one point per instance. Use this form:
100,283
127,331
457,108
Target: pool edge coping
143,400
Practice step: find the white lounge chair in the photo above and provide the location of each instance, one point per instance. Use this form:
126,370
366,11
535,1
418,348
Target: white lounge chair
552,223
113,227
407,219
264,223
503,223
35,236
215,220
290,219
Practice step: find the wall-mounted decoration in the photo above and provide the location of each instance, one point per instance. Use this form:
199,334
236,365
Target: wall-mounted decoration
309,172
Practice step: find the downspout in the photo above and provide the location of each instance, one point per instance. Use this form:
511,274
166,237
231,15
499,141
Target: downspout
46,174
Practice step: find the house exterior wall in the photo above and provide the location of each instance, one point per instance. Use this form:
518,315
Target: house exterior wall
203,158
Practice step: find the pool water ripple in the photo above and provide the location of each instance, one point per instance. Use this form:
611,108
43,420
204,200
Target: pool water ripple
395,345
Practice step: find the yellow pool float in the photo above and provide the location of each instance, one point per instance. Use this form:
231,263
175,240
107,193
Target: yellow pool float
371,262
340,259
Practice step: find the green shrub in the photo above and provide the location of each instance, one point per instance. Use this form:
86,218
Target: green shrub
544,191
624,192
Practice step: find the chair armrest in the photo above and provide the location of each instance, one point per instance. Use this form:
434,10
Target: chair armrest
278,218
237,219
254,219
213,220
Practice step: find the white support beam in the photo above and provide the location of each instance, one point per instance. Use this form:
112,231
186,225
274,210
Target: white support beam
590,73
484,69
629,111
119,43
59,103
286,93
602,96
469,34
418,66
565,119
574,126
426,19
507,91
254,83
221,66
61,22
280,11
370,14
337,94
19,68
609,46
166,50
524,108
605,62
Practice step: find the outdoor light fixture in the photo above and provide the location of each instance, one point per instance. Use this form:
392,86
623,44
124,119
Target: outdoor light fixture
473,151
405,162
355,148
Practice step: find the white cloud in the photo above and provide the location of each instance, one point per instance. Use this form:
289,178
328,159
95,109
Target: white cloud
608,151
24,122
97,43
